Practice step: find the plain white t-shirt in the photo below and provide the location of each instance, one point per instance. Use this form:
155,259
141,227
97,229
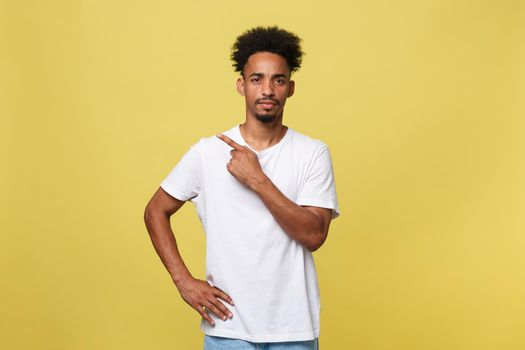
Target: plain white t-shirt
270,277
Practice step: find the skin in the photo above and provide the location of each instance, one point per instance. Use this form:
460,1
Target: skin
265,84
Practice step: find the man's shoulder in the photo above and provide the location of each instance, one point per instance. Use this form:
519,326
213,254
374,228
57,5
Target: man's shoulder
307,142
213,142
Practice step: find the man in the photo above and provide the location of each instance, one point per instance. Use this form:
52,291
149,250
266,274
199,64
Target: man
265,195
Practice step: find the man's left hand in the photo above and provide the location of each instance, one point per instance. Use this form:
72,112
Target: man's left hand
244,164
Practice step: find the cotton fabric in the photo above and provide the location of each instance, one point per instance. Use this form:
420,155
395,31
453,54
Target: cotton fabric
270,277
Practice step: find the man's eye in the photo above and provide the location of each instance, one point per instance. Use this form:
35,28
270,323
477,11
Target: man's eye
280,81
256,80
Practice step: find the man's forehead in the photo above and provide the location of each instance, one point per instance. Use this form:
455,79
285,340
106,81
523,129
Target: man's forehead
266,63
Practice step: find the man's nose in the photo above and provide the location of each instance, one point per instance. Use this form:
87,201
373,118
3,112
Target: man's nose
267,88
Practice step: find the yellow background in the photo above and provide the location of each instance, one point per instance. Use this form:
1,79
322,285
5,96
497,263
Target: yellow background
422,104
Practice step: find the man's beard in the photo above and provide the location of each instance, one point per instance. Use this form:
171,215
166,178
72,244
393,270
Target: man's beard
265,118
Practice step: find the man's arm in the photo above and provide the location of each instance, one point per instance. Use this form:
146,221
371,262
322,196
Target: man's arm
308,225
197,293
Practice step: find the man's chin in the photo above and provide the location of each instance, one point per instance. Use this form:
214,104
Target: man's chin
265,118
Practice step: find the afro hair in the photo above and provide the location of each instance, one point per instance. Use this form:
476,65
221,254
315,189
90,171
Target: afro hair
267,39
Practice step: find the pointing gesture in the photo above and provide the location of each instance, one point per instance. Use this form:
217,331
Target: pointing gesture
232,143
244,164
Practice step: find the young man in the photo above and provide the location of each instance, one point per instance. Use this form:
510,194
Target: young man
265,195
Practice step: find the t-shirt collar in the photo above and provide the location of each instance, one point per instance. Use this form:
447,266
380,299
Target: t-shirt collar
270,149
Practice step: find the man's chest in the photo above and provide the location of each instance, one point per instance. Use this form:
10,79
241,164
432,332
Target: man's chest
286,173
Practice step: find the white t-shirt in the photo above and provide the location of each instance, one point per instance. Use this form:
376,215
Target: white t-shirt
270,277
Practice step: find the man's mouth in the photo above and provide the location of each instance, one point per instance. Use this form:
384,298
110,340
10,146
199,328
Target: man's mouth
267,103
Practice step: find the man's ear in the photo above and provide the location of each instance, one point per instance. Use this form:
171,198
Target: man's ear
240,85
292,88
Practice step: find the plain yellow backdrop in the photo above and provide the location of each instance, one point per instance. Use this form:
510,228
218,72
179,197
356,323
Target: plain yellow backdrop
422,104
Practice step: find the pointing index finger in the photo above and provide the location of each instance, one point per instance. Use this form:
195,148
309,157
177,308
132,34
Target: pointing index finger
230,142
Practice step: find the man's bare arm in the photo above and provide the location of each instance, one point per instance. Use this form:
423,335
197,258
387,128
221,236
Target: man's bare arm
197,293
308,225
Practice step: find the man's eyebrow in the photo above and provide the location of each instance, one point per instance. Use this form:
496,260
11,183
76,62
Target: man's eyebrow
278,75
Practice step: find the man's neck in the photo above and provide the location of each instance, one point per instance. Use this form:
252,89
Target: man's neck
260,136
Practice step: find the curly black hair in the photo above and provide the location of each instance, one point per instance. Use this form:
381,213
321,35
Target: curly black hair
267,39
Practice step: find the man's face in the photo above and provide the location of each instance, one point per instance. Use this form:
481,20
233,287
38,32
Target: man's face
266,85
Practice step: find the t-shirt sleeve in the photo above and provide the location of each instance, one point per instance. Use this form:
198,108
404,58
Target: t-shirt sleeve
184,180
319,187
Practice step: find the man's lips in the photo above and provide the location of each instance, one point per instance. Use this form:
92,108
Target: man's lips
267,104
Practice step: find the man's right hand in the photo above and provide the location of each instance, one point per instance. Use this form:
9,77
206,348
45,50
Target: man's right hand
199,294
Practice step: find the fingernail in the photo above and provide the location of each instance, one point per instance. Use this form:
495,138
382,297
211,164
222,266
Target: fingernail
230,314
224,318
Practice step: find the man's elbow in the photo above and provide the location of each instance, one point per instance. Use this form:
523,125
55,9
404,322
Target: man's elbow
147,214
148,211
151,211
318,229
316,241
